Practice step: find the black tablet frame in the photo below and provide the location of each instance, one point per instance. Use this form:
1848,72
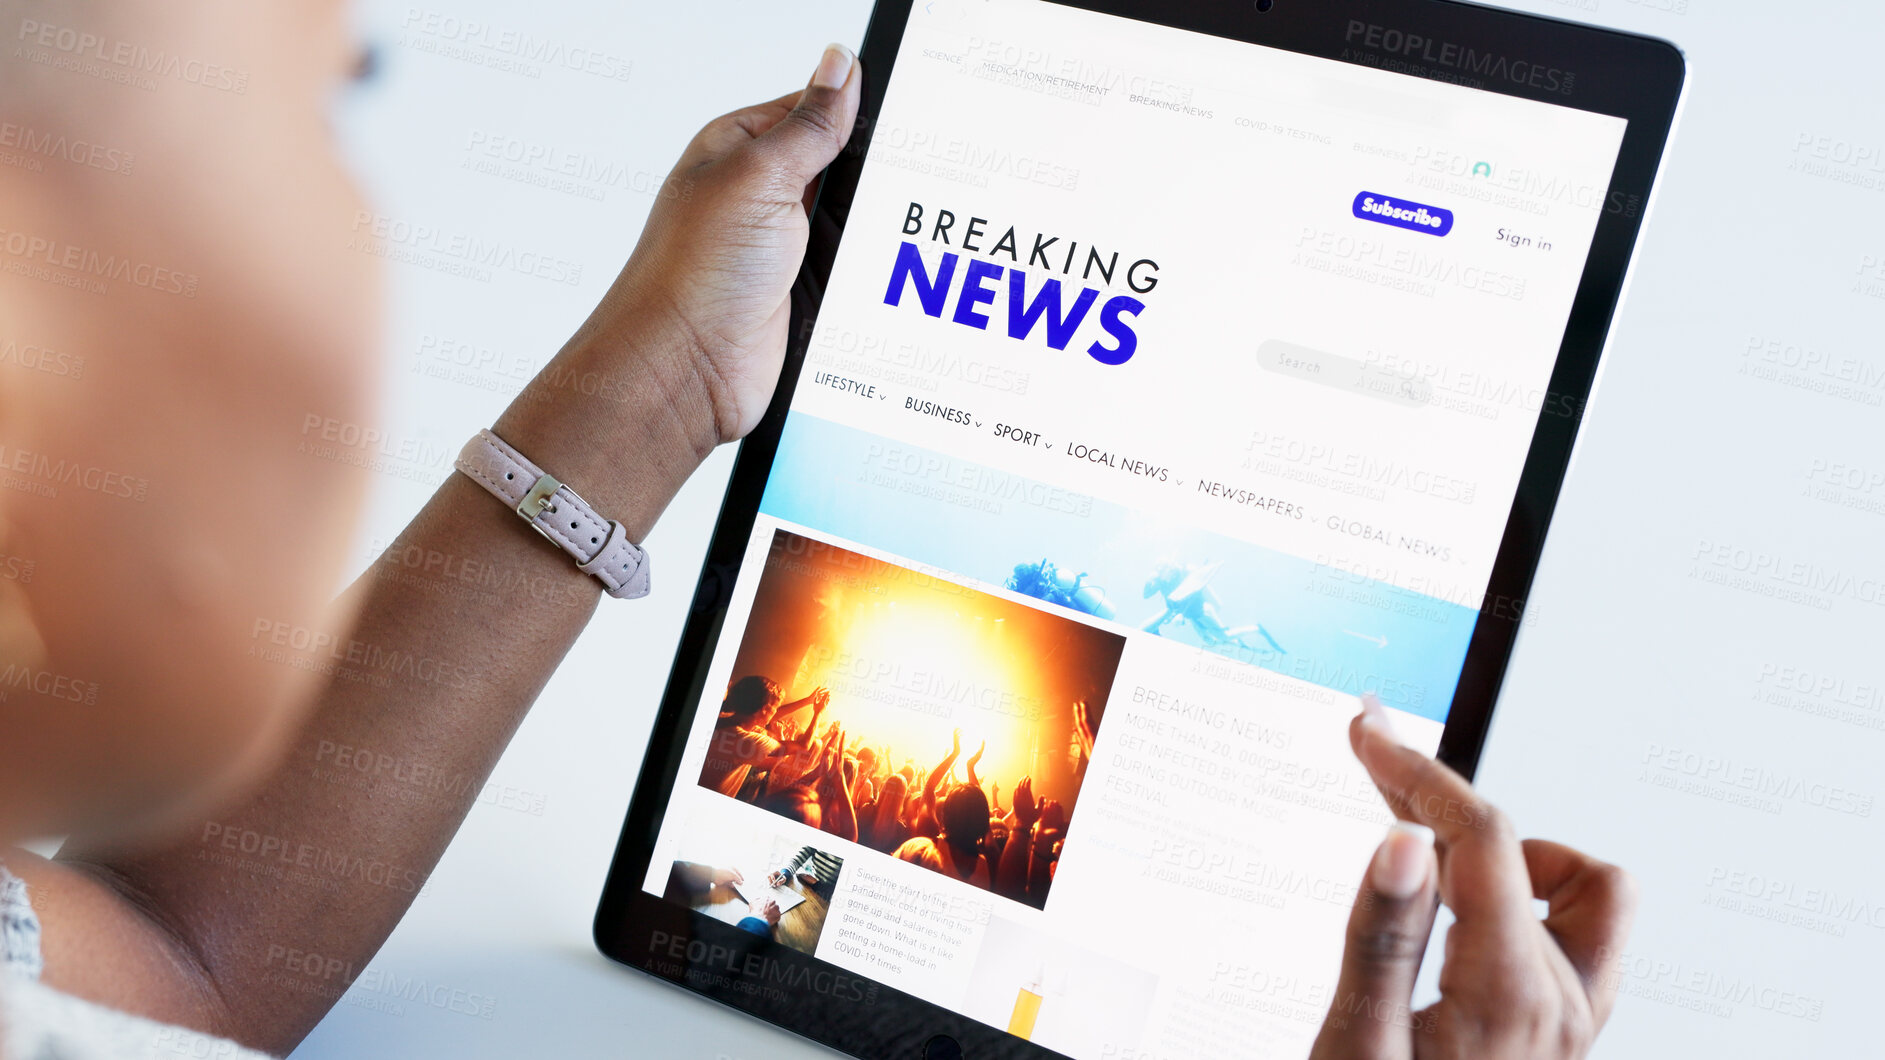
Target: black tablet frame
1633,77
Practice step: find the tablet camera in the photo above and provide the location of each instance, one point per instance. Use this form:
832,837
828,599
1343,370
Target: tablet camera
1264,6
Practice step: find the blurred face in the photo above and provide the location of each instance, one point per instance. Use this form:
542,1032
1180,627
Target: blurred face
171,495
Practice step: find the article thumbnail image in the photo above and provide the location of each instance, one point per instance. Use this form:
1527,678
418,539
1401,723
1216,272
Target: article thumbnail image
940,725
777,888
1075,1001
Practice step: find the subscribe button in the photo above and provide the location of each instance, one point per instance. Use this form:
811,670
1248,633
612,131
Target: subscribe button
1370,206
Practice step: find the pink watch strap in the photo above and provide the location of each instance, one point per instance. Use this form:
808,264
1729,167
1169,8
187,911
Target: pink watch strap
601,547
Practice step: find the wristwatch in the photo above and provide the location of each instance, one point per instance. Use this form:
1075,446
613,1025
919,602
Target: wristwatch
600,546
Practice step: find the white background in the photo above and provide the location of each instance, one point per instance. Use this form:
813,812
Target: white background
1631,650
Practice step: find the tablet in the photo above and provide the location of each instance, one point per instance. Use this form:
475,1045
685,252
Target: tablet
1177,373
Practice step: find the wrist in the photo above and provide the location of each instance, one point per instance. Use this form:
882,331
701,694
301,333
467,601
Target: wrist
624,423
640,331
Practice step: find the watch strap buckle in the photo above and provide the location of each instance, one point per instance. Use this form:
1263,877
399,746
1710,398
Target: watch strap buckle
600,546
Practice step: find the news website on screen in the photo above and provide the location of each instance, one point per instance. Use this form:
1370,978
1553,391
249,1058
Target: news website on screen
1168,393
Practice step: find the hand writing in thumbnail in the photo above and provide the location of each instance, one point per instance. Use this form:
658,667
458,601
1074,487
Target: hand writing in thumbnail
778,878
1514,987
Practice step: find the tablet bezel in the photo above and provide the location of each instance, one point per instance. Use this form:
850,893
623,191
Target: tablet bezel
1634,77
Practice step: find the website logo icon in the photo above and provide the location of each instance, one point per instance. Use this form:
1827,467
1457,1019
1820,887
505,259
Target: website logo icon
1413,216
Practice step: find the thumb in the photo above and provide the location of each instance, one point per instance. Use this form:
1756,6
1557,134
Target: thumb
806,140
1370,1017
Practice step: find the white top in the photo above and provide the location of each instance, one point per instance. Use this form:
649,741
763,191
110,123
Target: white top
40,1023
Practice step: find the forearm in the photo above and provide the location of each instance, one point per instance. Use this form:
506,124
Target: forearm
1040,874
798,861
1011,873
844,820
459,625
943,769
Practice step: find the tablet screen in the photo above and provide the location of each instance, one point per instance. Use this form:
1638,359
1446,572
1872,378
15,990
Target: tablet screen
1168,392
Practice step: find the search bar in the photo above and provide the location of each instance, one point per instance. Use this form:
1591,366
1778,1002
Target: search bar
1342,373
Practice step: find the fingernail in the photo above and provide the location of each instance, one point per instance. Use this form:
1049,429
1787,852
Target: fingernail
1401,864
1374,717
834,68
